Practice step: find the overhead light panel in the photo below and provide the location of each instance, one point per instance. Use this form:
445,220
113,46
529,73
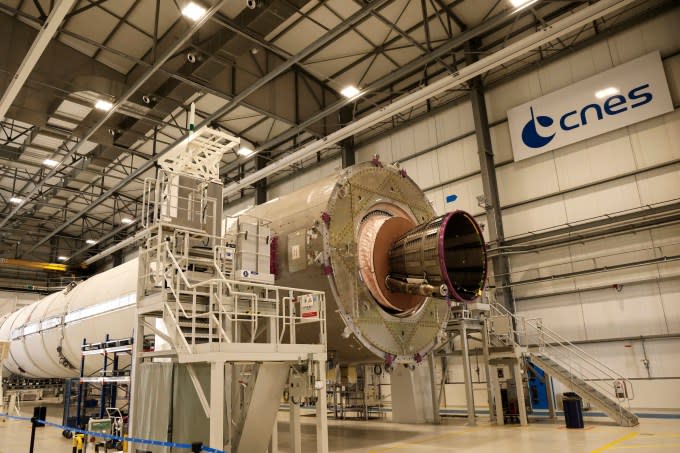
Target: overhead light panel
126,220
50,163
521,4
62,258
90,242
244,151
16,200
606,92
103,105
350,91
193,11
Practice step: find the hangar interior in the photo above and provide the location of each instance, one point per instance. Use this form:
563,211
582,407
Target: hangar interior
339,225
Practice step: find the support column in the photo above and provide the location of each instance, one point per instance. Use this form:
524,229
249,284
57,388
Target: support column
469,395
492,206
322,411
550,395
346,115
487,372
261,185
217,405
436,419
498,399
274,441
519,387
295,433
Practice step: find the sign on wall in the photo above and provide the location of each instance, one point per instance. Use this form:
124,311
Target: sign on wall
624,95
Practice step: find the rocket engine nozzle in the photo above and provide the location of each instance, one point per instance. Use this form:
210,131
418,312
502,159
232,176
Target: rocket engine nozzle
402,263
444,257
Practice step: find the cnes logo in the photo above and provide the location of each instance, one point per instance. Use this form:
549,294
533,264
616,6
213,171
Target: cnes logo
539,130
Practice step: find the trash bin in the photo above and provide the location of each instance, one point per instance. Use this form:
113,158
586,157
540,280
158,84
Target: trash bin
573,410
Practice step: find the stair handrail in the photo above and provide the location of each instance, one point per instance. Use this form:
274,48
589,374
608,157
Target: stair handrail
568,346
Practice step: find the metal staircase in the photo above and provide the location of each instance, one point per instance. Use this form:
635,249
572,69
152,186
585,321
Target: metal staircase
573,367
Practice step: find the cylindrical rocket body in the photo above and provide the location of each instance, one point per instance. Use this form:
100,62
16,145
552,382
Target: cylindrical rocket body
45,337
333,235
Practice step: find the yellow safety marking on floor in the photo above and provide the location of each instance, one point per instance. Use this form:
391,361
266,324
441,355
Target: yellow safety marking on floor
647,446
419,441
614,443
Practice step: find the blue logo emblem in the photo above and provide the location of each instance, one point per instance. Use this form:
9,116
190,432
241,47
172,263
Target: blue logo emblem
530,135
581,117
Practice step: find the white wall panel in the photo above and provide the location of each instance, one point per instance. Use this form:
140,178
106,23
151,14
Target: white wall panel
655,141
403,145
527,179
467,191
563,314
382,147
662,184
503,97
636,310
670,295
458,159
611,197
425,134
659,33
595,159
672,66
533,217
454,122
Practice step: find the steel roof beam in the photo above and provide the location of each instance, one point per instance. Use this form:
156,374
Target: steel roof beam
505,55
31,59
303,54
129,92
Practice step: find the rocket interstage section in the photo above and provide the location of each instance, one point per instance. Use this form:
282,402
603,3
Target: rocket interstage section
370,238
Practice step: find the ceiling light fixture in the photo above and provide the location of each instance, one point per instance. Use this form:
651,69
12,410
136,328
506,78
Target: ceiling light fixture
193,11
126,220
90,242
606,92
62,258
16,200
521,4
350,91
244,151
50,163
103,105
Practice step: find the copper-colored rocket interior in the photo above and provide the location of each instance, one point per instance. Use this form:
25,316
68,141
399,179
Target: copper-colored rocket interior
376,236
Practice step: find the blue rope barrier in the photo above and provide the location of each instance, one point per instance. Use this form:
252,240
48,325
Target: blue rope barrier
135,440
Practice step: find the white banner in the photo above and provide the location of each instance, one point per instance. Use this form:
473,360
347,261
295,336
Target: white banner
624,95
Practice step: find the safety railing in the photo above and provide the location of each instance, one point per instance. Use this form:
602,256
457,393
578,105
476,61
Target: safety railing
581,366
228,311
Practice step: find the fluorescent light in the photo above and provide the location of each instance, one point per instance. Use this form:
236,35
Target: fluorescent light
193,11
350,91
16,200
126,220
62,258
519,4
606,92
244,151
50,163
103,105
90,242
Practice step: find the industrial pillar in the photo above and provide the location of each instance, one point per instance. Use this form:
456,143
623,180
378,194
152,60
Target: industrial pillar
469,394
345,116
261,185
501,267
217,411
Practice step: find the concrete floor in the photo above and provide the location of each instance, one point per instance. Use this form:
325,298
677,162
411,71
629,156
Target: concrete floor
375,436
